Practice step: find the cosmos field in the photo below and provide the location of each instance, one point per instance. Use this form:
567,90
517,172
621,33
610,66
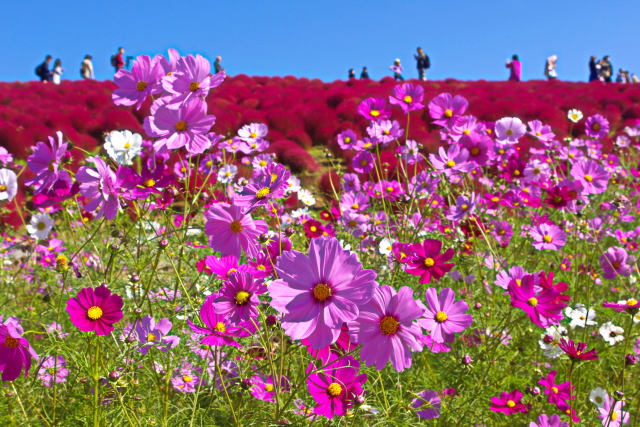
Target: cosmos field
181,247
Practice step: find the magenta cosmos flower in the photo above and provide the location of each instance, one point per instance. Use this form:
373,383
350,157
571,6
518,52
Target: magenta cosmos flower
408,97
509,130
427,262
15,352
614,262
317,293
446,109
374,109
387,328
597,126
218,331
444,316
238,298
99,185
95,310
452,161
45,163
429,404
630,305
593,177
557,393
547,236
136,85
231,231
335,387
508,403
548,421
543,308
363,162
186,126
192,78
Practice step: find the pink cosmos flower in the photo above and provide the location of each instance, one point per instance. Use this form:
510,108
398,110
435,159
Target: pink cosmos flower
99,185
186,126
192,79
363,162
452,161
45,163
136,85
263,388
444,316
427,262
479,146
317,293
253,132
387,328
613,413
269,185
559,393
508,403
593,177
547,236
15,351
95,310
218,330
545,421
408,97
155,334
374,109
446,109
336,386
347,139
53,369
463,207
597,126
5,156
614,262
509,130
231,231
543,307
431,401
540,131
238,299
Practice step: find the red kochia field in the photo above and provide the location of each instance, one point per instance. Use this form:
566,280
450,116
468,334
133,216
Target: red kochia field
299,112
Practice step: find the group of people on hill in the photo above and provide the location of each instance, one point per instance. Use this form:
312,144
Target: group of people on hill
601,70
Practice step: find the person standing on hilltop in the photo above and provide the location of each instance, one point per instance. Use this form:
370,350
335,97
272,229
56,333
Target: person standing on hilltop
550,68
606,69
352,74
217,66
56,73
423,64
516,69
86,68
594,69
116,60
43,71
364,75
397,70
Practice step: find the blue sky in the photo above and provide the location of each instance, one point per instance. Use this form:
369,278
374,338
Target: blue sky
467,40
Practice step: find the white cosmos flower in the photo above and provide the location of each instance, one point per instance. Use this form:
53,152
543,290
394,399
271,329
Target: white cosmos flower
611,333
597,396
580,316
550,339
40,226
385,246
574,115
299,212
293,185
306,197
8,184
227,173
123,146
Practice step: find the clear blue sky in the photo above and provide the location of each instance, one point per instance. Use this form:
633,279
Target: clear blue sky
465,39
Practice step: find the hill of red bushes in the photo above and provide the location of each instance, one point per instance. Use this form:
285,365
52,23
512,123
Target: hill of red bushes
299,112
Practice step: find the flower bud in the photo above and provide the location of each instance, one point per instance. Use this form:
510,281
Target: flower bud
114,375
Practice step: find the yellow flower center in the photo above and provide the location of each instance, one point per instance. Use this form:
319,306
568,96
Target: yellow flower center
475,151
268,388
389,325
321,291
313,228
466,132
555,389
464,207
261,267
334,389
253,135
41,226
127,145
448,113
209,163
194,86
429,262
450,163
141,86
3,187
596,126
187,379
181,126
511,403
220,327
151,337
242,297
632,301
374,113
509,132
532,302
149,183
408,99
10,342
547,238
235,226
441,316
94,313
588,178
262,193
